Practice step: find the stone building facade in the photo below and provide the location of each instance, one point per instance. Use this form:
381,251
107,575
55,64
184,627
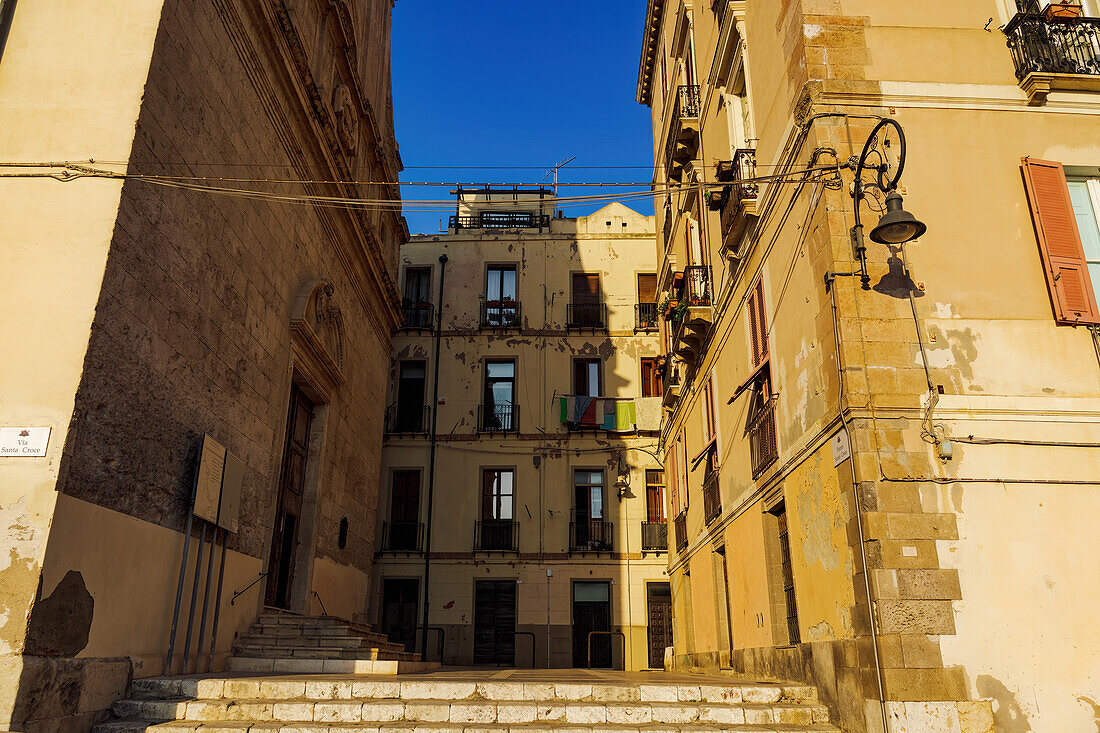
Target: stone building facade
542,521
900,475
156,293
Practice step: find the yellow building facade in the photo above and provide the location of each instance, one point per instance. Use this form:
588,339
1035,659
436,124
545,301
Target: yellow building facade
882,485
524,490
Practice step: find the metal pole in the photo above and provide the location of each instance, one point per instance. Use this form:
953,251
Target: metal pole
217,602
206,598
194,600
183,567
549,574
431,454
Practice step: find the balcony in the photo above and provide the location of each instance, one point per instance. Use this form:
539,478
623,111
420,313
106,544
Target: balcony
496,535
645,317
654,537
500,220
739,204
586,316
682,146
590,535
500,314
1053,52
498,418
680,526
418,317
719,7
402,537
762,443
611,414
408,419
693,316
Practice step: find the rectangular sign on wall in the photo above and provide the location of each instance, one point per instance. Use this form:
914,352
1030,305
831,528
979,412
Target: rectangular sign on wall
842,451
218,490
24,442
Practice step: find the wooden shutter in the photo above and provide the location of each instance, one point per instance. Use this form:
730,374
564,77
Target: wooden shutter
647,288
1059,243
758,324
586,288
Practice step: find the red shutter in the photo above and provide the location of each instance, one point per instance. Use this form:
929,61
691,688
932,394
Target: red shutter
758,324
1059,243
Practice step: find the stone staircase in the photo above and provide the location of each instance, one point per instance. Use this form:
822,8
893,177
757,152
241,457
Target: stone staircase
289,643
462,704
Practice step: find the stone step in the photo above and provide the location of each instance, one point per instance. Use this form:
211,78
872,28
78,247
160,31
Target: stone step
317,642
470,712
289,630
363,689
290,665
137,726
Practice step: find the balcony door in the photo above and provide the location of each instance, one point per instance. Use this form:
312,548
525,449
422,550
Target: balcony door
410,397
417,302
588,513
404,511
500,392
495,622
586,377
586,300
500,296
497,504
591,612
655,495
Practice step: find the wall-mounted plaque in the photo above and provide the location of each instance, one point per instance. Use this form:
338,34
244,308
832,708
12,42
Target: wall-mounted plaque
208,490
24,442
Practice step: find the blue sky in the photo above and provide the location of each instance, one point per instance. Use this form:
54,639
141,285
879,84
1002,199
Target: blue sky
518,83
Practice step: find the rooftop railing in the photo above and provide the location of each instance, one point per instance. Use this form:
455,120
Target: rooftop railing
500,220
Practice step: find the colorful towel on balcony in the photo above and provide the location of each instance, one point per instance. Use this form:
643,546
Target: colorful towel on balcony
618,416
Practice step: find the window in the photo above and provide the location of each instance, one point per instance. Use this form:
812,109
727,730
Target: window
651,377
498,494
586,377
410,414
709,424
655,495
417,302
1084,195
787,606
590,531
1065,213
499,411
501,306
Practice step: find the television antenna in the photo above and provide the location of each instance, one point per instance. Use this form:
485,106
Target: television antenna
555,170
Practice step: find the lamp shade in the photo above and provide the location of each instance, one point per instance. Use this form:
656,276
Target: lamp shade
897,226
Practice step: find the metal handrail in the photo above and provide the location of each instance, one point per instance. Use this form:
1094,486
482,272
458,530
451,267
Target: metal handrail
580,316
588,656
244,590
442,640
499,418
504,314
1054,45
524,633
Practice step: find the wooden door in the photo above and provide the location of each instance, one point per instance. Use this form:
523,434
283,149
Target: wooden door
591,612
288,508
495,622
400,599
659,601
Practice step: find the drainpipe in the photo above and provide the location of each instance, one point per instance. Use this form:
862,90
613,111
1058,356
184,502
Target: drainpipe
431,455
7,11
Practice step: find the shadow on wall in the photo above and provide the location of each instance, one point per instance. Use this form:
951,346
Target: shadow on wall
1007,714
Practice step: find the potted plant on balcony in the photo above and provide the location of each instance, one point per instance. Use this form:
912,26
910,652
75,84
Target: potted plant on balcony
716,199
1062,10
668,305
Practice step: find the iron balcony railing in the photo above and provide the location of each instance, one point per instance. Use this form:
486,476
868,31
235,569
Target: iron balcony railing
586,315
1054,45
687,103
680,526
696,288
496,535
590,535
411,419
712,498
418,316
739,173
645,316
500,313
502,418
686,106
762,441
654,537
402,537
501,220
